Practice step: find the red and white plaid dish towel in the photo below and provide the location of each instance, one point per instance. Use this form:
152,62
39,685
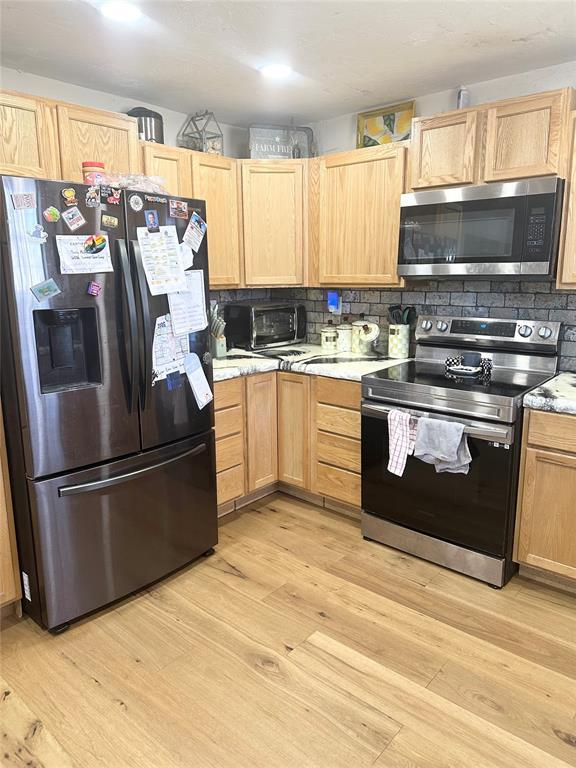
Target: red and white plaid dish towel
402,436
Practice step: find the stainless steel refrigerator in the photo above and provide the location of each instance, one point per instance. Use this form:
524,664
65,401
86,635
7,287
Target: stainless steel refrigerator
111,459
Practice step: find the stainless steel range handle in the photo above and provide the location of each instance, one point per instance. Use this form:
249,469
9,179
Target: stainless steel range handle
480,430
97,485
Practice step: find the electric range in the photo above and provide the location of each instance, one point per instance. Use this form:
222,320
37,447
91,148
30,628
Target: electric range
462,521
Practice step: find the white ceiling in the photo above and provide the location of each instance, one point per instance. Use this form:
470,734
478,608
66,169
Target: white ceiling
347,56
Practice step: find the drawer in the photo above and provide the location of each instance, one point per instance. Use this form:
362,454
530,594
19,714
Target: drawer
552,430
340,451
346,394
229,421
228,393
339,484
230,484
340,421
229,452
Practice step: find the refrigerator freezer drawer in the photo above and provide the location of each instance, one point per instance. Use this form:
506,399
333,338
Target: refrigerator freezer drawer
102,533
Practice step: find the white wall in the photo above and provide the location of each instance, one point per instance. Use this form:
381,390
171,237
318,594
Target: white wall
339,133
235,137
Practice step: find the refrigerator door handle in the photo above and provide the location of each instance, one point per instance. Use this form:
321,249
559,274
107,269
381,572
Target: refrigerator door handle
132,322
97,485
147,332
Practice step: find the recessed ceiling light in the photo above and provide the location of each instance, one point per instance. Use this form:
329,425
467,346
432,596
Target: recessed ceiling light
120,11
276,71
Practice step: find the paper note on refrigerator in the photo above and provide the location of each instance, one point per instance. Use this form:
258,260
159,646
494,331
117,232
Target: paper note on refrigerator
197,379
161,260
83,255
195,232
188,308
168,350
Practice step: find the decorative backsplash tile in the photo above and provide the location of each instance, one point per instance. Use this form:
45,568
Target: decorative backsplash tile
527,299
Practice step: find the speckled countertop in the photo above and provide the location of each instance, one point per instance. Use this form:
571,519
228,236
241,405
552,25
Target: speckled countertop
557,395
312,360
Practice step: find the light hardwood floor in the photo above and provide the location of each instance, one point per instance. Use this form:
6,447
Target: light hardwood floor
299,644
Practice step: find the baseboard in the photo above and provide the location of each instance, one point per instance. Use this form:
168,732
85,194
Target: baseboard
554,580
250,498
343,509
300,493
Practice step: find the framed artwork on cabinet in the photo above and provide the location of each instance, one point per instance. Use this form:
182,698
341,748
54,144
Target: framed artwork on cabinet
385,125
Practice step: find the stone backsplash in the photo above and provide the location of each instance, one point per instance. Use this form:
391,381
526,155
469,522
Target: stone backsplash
526,299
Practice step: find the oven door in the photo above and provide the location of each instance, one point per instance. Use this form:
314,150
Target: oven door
475,511
272,326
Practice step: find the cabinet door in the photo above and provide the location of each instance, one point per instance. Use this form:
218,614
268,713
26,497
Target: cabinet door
214,179
262,431
294,429
444,149
90,134
524,136
9,578
567,259
171,164
360,216
28,140
273,214
547,536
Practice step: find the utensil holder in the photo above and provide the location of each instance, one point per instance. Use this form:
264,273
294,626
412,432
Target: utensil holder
218,346
398,341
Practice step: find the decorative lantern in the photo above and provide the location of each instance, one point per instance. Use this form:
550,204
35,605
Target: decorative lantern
202,133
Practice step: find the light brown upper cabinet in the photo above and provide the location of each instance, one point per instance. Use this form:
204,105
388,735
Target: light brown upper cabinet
294,429
444,149
567,259
214,179
524,136
171,164
28,137
274,220
359,215
91,134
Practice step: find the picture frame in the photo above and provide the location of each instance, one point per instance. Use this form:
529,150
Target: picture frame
385,124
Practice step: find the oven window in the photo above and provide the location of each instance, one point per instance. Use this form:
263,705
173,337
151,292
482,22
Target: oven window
274,326
482,231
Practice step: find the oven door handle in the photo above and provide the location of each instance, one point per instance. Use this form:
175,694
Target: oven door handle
498,434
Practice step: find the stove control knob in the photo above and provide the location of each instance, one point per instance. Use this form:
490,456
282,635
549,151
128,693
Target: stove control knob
442,326
525,331
426,325
545,332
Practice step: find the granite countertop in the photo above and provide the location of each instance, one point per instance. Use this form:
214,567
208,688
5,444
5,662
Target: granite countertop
557,395
339,365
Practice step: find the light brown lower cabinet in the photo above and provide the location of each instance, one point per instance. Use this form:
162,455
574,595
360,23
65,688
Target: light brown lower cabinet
546,517
229,420
9,577
261,430
294,429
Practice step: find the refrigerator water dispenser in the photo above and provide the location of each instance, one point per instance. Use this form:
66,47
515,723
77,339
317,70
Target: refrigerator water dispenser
68,348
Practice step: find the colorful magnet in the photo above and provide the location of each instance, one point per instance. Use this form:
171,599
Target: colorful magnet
95,243
73,218
136,203
151,218
178,209
51,214
110,195
155,199
109,222
23,200
38,234
45,290
93,197
69,195
93,288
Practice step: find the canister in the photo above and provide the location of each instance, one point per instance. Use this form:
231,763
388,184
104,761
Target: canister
344,343
398,341
328,337
369,334
356,331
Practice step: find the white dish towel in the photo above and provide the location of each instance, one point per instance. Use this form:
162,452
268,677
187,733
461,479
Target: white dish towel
401,439
443,444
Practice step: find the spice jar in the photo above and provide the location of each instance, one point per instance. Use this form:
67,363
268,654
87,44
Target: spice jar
93,172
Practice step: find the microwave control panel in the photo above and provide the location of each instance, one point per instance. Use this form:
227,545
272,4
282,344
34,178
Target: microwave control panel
536,233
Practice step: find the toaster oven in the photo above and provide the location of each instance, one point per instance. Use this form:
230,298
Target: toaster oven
252,325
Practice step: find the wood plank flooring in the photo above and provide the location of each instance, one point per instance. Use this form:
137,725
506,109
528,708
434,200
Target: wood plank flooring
299,645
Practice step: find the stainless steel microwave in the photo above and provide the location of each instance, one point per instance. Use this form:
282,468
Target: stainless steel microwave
493,229
266,324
